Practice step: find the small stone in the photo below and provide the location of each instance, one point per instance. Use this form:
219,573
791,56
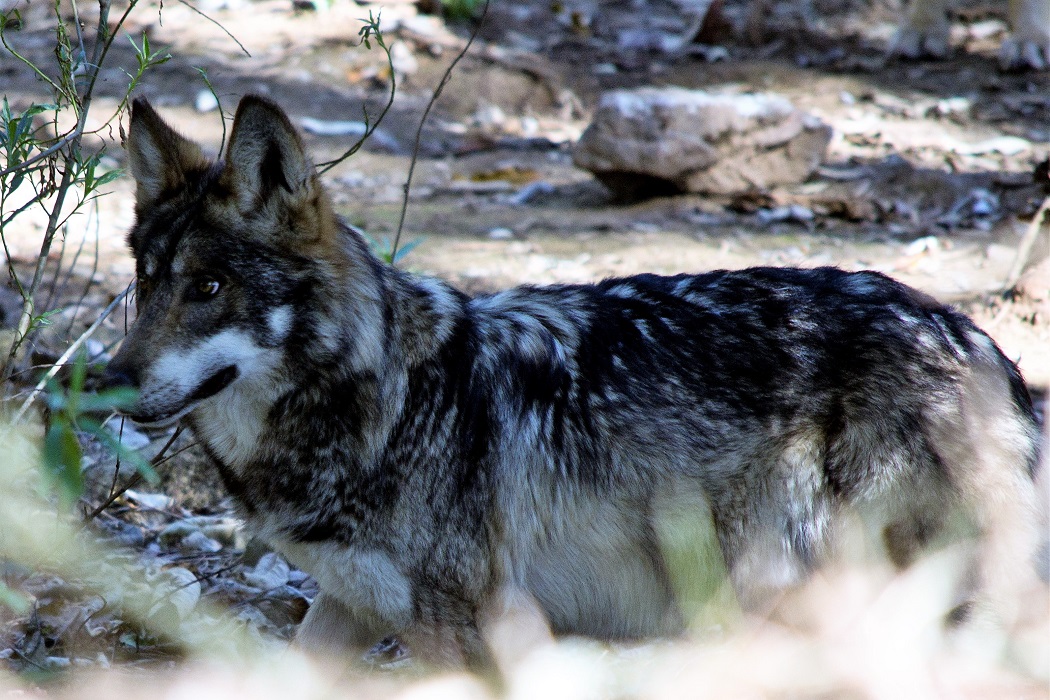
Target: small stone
402,60
329,127
983,202
205,101
199,542
94,349
271,572
501,234
926,244
791,212
128,435
152,501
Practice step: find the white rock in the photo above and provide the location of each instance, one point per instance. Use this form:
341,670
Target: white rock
402,60
926,244
153,501
199,542
129,436
1006,145
270,572
205,101
327,127
699,141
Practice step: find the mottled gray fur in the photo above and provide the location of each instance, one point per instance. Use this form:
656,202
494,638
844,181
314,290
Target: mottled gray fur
428,456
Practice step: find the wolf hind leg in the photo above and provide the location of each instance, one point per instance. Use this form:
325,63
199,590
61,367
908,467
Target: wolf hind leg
988,448
779,537
913,528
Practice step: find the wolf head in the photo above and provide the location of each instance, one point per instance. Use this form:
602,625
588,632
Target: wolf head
233,260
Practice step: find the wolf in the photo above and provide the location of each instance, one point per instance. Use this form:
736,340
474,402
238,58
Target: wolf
435,459
925,30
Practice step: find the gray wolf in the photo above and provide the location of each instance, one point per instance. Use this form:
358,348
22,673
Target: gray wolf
926,31
429,456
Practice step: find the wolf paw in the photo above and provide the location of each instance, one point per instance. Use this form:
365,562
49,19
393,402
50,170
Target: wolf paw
388,653
1028,45
1017,52
921,39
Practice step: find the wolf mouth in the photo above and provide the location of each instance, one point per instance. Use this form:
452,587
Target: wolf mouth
211,386
215,383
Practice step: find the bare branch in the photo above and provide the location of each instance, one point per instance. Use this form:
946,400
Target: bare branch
419,131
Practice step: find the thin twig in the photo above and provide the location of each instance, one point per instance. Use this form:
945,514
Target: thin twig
217,24
370,127
73,347
134,481
1024,250
50,151
82,105
419,131
25,321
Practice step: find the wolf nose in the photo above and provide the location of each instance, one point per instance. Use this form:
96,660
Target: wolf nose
114,377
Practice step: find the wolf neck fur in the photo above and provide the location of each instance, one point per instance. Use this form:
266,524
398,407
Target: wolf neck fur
351,373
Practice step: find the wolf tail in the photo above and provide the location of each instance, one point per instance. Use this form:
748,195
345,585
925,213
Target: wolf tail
993,452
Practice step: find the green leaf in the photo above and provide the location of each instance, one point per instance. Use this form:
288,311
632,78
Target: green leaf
116,399
406,249
44,319
62,454
109,176
76,385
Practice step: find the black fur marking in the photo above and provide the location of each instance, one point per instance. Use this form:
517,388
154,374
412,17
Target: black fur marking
271,171
215,383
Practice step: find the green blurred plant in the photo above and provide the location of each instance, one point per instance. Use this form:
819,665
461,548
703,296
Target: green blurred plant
71,411
384,248
461,9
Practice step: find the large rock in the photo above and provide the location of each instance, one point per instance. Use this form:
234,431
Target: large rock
662,140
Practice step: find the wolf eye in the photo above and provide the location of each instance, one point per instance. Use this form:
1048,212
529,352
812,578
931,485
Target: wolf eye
206,288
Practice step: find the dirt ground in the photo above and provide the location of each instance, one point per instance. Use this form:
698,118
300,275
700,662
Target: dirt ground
931,176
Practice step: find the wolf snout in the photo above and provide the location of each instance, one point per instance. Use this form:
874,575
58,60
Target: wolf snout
118,376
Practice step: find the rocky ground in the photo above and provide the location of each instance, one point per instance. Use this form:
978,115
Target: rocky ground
932,175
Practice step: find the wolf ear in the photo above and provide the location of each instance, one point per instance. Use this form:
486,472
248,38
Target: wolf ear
265,155
159,157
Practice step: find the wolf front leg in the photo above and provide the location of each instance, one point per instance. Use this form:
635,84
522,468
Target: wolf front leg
1029,42
331,629
925,31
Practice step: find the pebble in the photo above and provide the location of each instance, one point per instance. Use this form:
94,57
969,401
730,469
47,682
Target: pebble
272,571
153,501
130,436
501,234
205,101
791,212
199,542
